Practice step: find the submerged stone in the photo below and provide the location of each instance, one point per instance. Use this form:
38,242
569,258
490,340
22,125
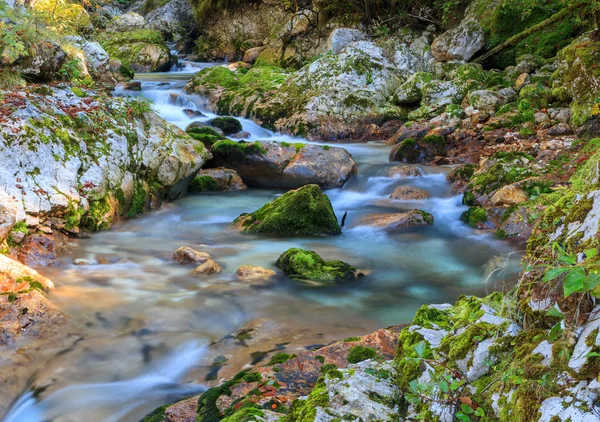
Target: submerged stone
304,211
308,265
398,221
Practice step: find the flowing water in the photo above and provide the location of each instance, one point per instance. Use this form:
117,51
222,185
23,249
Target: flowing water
132,312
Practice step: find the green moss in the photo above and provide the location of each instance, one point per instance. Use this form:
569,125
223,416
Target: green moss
407,361
308,265
252,377
280,358
430,317
246,414
328,367
78,91
129,46
359,353
475,216
436,140
228,147
229,125
204,183
138,201
306,410
158,415
100,215
305,211
351,339
457,347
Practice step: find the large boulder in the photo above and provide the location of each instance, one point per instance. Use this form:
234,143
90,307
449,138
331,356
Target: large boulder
43,64
335,97
144,50
340,38
305,211
128,22
308,265
95,60
66,171
577,78
283,165
172,18
460,43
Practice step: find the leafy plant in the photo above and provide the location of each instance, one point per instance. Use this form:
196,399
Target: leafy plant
577,275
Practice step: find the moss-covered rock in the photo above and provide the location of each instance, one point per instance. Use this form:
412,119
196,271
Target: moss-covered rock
578,78
305,211
308,265
229,125
143,50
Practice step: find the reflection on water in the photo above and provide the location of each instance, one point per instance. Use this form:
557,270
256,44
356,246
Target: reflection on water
129,304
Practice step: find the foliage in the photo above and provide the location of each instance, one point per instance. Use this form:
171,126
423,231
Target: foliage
577,276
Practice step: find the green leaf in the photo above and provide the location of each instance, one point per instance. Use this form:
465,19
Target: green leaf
568,259
555,333
462,417
554,273
420,348
554,313
590,253
455,385
591,282
575,281
593,355
480,412
466,409
444,386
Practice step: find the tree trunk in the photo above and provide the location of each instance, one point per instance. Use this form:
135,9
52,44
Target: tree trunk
522,35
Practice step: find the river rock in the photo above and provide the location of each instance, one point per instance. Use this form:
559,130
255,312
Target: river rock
172,18
43,63
340,38
282,165
398,221
8,214
22,300
144,50
132,86
210,267
229,125
509,195
335,97
409,193
96,60
187,255
460,43
486,100
218,179
252,54
128,22
248,272
308,265
412,131
404,171
198,124
304,211
417,151
72,174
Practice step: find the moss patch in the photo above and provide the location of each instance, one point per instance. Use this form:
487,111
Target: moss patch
305,211
308,265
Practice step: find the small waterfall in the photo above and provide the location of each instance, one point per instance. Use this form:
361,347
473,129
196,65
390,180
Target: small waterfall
112,401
